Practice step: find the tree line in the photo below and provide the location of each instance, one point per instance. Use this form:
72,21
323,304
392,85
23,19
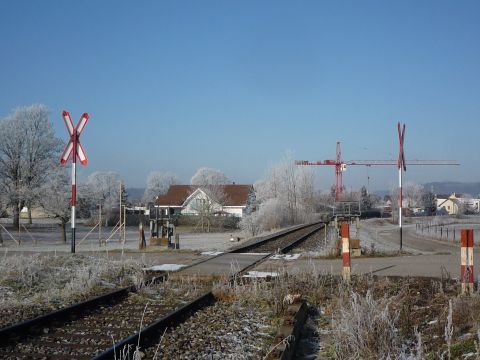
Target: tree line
30,175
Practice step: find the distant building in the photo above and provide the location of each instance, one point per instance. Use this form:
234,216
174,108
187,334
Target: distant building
454,204
220,200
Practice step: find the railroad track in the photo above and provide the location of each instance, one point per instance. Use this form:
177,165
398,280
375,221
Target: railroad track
89,329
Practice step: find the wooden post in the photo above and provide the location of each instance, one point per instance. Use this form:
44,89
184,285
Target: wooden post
142,244
325,233
177,241
100,224
346,251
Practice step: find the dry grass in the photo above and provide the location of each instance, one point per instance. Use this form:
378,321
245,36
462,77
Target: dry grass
366,328
374,317
31,285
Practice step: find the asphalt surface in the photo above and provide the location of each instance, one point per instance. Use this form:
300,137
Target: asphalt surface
426,256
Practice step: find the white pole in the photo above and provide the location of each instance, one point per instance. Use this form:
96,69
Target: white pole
120,221
400,197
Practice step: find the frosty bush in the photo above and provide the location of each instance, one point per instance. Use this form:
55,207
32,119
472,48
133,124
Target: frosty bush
40,280
365,328
284,197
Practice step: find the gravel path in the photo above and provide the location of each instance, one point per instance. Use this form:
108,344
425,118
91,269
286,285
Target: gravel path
224,330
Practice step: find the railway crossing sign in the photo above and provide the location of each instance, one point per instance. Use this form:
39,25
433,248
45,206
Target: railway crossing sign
74,150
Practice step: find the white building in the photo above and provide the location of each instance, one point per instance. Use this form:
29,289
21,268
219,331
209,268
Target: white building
455,204
220,200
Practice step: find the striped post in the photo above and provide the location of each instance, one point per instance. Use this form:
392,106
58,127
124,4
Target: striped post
74,186
466,258
345,230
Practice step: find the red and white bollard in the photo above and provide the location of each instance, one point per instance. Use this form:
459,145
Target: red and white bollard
345,232
466,260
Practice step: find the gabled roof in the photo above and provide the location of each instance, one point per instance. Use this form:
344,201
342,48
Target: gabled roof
453,200
447,196
236,195
175,196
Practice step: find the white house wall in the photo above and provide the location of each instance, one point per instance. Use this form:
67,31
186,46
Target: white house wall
191,207
236,211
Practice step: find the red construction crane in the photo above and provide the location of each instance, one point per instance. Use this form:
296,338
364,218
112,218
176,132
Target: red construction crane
341,165
401,164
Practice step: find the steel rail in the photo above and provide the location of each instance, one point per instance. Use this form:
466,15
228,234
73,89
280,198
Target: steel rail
35,326
152,333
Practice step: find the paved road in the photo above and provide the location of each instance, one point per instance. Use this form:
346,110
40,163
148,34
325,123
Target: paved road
415,265
430,257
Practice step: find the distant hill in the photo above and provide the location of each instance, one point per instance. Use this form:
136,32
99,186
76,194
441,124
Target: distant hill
135,194
448,187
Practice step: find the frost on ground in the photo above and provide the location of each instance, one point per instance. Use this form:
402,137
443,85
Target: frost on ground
260,274
374,317
165,267
399,318
36,284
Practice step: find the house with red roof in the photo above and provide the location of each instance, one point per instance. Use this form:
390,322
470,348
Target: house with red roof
219,200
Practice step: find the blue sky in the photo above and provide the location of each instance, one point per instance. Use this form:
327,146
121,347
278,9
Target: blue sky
233,85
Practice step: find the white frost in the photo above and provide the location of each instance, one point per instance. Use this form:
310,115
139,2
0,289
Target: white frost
260,274
212,253
254,254
285,257
165,267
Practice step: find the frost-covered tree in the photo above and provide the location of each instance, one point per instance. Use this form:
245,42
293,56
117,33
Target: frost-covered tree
207,176
158,184
413,194
285,196
103,187
2,206
210,181
55,197
28,149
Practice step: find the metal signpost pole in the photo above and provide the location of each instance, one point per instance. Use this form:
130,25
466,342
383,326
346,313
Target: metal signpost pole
401,167
74,149
74,186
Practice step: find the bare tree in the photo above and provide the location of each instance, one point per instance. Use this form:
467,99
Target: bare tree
365,199
158,184
211,182
28,148
285,196
429,202
413,194
55,197
103,187
207,176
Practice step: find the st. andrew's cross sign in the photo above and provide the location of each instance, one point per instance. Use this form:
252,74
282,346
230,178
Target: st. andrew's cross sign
74,150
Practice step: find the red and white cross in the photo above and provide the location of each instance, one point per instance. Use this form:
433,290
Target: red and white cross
74,150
